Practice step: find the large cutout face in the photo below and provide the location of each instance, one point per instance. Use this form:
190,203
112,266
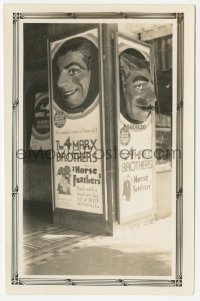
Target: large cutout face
74,78
137,87
75,75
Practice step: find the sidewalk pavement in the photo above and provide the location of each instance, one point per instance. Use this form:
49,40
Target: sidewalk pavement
134,250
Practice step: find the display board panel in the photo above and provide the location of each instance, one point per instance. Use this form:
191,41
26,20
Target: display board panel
76,123
135,129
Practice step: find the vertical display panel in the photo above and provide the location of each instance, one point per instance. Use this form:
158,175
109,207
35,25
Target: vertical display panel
76,123
135,129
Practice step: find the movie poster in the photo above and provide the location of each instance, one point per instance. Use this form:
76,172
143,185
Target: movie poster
76,126
40,138
136,125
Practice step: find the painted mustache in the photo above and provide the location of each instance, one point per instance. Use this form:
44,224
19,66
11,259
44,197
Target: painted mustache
145,105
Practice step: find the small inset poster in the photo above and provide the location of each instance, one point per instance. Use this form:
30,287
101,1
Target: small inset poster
40,138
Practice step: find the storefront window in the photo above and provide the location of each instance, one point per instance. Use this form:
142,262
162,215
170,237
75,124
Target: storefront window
163,65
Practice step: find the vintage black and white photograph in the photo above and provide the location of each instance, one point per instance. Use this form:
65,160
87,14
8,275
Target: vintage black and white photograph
97,149
82,223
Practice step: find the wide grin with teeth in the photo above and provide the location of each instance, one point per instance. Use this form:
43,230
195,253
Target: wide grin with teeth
70,92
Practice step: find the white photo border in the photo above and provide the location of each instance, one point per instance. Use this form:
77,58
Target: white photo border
15,277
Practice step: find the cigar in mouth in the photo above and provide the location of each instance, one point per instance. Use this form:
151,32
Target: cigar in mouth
147,108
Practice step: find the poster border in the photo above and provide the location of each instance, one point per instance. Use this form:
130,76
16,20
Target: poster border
15,278
150,212
97,102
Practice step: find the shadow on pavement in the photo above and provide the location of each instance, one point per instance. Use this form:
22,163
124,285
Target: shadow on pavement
104,261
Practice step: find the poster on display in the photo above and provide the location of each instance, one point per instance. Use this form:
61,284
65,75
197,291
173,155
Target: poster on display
136,130
76,123
40,137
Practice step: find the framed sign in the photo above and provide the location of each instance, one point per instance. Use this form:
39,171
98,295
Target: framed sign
113,221
76,124
135,128
40,138
75,117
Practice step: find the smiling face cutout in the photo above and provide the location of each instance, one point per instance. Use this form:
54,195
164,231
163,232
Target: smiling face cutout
137,87
74,78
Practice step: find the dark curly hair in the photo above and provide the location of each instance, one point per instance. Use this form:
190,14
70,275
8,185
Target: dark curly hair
90,57
137,58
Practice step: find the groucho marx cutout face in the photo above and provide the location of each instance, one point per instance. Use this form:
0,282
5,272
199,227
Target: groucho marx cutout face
137,86
75,75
